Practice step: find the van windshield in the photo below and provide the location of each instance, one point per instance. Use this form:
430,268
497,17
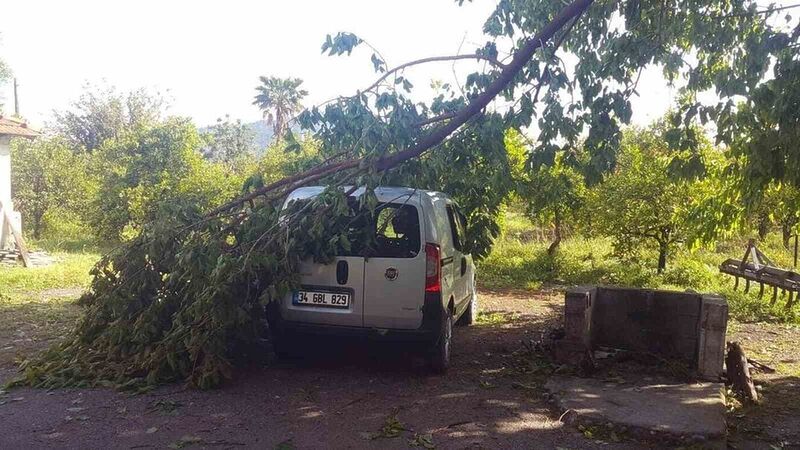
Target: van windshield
392,232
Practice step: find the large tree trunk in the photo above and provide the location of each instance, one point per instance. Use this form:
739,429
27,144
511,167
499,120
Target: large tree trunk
662,256
557,235
763,227
787,227
37,224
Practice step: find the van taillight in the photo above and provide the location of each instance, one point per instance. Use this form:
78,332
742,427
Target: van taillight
433,268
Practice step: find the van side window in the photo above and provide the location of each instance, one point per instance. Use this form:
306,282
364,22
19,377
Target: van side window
397,231
455,228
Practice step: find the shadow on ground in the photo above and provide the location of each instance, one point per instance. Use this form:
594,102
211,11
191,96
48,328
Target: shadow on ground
340,393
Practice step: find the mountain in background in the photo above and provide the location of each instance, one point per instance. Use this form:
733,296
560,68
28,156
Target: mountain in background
262,134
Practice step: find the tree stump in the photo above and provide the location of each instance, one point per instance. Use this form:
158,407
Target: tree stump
738,372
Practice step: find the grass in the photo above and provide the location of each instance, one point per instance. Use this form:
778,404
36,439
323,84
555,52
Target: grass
519,261
37,305
70,270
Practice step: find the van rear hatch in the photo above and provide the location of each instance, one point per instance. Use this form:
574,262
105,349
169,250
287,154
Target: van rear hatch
379,282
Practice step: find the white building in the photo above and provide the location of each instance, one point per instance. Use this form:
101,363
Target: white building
9,128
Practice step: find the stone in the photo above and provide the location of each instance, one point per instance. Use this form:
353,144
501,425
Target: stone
683,410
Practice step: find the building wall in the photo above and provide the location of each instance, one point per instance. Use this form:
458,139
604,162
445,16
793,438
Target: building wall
6,240
5,169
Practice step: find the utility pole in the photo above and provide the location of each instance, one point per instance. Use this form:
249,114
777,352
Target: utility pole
16,99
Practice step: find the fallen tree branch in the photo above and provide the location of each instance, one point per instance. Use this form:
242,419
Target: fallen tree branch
437,135
760,366
492,61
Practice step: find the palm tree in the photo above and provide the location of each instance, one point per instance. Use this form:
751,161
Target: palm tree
279,99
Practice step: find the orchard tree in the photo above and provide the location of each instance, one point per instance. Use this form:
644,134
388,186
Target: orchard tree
146,324
149,165
553,194
779,205
228,141
279,99
644,203
103,113
47,177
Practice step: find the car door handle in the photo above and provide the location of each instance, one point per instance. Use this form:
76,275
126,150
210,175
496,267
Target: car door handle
463,265
342,272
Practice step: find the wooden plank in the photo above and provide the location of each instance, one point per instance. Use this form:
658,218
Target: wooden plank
18,239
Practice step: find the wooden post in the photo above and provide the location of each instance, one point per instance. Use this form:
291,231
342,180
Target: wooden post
736,283
761,290
795,251
774,295
23,250
746,285
739,373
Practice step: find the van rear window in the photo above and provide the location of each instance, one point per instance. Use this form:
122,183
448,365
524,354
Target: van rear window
396,231
392,232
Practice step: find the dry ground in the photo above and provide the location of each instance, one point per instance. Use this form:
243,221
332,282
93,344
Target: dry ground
356,395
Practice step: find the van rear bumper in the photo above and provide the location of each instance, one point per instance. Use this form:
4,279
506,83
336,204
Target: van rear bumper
428,332
395,335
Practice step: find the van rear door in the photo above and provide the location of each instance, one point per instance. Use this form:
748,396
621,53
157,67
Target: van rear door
394,272
329,294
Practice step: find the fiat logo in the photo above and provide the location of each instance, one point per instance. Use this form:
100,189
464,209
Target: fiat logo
391,274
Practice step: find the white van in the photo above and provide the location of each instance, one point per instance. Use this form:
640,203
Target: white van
413,286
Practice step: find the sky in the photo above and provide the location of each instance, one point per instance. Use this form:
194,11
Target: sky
206,56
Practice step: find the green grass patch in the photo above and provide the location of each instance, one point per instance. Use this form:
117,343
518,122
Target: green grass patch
494,318
71,270
37,304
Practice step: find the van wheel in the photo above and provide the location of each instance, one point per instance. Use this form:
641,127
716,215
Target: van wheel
440,353
281,346
468,318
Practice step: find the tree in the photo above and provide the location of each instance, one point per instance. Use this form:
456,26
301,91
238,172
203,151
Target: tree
227,141
46,176
150,165
553,194
644,201
279,100
762,129
779,205
103,113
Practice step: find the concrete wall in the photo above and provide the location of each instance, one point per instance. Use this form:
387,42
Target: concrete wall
683,326
660,322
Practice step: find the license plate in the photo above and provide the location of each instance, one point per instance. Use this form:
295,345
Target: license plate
330,299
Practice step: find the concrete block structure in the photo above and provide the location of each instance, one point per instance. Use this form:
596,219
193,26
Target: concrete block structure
684,326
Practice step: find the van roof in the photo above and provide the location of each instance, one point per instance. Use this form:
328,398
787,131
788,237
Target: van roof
383,192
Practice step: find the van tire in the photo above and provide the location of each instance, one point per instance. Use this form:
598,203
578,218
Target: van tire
281,346
468,318
440,353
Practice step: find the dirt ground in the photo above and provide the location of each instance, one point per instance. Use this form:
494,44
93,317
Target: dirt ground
347,394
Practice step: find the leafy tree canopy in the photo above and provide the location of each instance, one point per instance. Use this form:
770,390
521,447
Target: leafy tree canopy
47,176
643,203
228,141
103,113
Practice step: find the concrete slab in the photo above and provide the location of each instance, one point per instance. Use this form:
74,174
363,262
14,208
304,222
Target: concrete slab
678,409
